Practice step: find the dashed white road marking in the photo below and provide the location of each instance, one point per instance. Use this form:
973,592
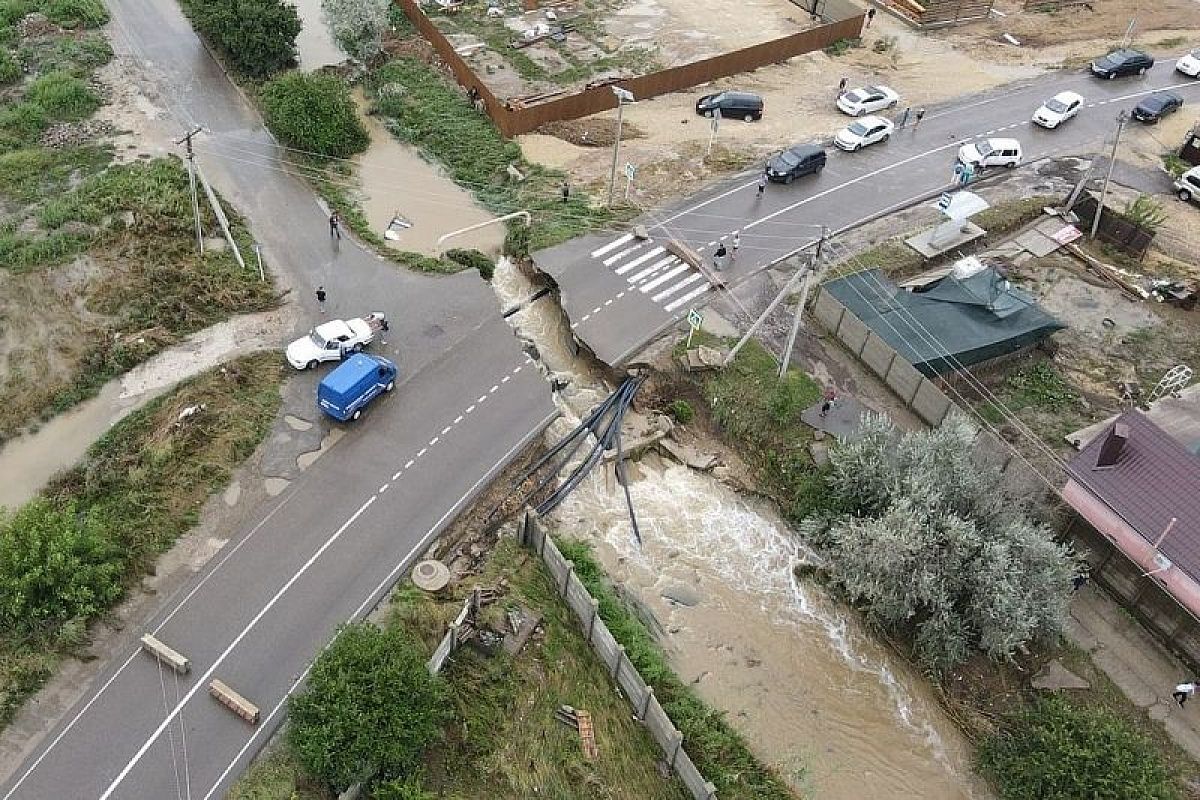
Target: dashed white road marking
384,488
434,440
613,245
408,464
422,451
445,430
396,475
470,408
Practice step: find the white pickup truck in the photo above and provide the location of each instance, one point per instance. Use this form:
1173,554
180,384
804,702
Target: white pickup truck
334,340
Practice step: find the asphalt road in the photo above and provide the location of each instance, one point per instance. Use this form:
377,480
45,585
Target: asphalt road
336,540
615,287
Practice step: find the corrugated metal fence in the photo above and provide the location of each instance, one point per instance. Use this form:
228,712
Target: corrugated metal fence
612,655
514,121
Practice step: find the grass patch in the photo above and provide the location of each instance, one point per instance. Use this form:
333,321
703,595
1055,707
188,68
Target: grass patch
138,489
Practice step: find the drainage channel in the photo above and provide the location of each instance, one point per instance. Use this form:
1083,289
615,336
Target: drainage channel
797,674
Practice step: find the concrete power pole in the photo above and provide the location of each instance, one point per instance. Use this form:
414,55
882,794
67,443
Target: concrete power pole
1122,118
191,162
809,277
623,96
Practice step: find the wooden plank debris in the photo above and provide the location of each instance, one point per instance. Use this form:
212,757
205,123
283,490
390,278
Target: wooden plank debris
587,735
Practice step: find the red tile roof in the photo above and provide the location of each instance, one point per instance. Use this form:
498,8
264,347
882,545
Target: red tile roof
1154,479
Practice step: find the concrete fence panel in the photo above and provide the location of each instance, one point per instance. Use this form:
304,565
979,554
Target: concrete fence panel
827,311
853,333
930,404
877,355
904,379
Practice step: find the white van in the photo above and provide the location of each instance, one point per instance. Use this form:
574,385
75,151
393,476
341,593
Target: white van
1188,185
991,153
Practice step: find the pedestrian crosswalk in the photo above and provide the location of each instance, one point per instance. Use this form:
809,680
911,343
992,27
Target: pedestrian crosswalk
654,271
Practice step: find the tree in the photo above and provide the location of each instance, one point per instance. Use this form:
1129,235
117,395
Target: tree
314,112
358,25
371,708
929,545
1054,750
258,37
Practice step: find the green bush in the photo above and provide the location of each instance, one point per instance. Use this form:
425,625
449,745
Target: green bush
22,124
682,411
76,13
13,10
473,259
1055,750
314,113
62,97
55,565
371,708
10,70
257,37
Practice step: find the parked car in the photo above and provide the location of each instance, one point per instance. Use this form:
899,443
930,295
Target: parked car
801,159
346,391
334,340
1188,185
867,100
862,132
1058,109
1157,106
991,153
1190,64
1122,62
736,105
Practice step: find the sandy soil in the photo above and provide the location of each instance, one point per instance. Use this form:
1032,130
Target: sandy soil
1106,20
135,109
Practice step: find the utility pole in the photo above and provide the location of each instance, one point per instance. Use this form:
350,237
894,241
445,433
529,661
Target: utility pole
809,278
1122,118
623,96
191,162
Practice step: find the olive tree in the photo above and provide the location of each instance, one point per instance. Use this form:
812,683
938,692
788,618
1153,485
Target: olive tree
929,545
358,25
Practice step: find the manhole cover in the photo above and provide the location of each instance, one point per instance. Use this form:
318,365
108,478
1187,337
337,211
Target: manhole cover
431,575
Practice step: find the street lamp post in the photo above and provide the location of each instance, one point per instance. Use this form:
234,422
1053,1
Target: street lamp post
623,96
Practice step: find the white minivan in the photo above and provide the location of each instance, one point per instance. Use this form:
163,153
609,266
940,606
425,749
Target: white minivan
1188,185
991,153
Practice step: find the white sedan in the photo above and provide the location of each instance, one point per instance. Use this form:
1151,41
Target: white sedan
1058,109
334,340
867,100
1190,64
862,132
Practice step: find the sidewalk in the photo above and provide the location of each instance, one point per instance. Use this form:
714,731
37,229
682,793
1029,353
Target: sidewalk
1136,662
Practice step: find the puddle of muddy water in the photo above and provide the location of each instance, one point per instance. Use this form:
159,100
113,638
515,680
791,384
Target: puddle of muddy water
812,692
396,180
315,45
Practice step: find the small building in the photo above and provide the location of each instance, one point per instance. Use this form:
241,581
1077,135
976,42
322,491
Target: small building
1135,491
967,318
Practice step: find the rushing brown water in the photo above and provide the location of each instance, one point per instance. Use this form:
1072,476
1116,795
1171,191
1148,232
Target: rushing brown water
796,673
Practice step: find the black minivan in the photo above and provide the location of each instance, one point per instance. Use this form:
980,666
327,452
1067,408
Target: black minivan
736,105
800,159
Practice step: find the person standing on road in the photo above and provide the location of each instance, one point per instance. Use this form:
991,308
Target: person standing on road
870,18
321,298
762,184
920,116
842,85
566,191
900,123
335,226
737,242
830,399
719,256
1184,691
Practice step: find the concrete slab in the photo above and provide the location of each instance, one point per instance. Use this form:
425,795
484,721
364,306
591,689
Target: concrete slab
841,421
934,242
1055,677
1037,243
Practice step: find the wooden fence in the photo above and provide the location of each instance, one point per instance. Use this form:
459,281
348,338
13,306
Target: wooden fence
939,13
641,696
513,121
1115,228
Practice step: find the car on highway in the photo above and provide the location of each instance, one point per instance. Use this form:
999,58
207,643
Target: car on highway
1188,185
1189,64
991,153
334,340
866,100
1125,61
800,159
732,105
1157,106
1058,109
862,132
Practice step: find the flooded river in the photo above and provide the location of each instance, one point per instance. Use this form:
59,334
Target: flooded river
812,691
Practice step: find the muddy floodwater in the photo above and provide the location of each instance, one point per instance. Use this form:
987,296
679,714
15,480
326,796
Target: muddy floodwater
814,694
315,45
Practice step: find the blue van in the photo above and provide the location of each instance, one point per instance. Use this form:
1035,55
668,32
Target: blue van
346,390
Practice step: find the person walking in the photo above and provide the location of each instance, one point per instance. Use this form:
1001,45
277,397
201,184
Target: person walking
1184,691
870,18
830,399
321,298
762,184
842,85
566,191
335,226
737,242
900,123
920,116
719,256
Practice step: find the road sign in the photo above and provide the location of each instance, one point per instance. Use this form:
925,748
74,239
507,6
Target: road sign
630,171
695,319
944,201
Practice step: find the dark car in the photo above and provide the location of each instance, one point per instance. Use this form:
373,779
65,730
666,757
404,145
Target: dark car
1122,62
1157,106
801,159
736,105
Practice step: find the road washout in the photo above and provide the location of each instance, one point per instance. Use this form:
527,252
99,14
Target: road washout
812,692
29,461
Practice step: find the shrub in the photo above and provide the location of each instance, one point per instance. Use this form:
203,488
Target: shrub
13,10
1054,750
76,13
358,25
55,565
257,37
371,707
10,70
22,123
682,411
473,259
314,113
62,96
